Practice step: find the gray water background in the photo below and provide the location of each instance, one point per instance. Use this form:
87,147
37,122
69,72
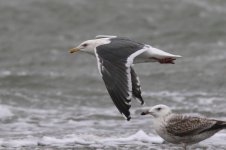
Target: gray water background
45,91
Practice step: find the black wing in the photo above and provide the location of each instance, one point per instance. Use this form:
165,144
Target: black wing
136,89
115,76
114,63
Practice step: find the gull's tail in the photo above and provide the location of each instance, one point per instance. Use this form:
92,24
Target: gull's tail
160,56
223,124
219,125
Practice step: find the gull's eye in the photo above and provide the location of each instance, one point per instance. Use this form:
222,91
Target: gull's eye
158,109
84,45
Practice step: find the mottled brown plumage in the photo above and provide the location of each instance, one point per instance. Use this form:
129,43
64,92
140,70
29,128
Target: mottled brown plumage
183,129
181,125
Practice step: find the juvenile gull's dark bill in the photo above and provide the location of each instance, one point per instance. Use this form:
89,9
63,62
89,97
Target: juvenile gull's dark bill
182,129
115,58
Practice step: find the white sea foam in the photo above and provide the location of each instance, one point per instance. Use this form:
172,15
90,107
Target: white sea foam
69,139
4,73
139,138
174,94
5,112
30,141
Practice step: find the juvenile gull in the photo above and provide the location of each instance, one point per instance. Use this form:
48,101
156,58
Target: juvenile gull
182,129
115,58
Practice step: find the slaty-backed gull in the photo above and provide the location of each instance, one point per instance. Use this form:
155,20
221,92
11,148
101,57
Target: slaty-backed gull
115,58
182,129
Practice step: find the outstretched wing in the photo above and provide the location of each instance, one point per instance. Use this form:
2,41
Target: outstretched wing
118,83
114,63
186,125
136,89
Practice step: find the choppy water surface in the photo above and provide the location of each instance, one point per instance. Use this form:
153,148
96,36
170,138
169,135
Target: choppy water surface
53,100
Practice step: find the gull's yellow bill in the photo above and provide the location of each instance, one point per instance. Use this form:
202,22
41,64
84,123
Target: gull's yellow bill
73,50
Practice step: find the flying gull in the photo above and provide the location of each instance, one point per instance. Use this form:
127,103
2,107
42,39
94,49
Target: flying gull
182,129
115,58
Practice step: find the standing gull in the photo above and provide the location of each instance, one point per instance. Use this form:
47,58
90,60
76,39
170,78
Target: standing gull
115,58
182,129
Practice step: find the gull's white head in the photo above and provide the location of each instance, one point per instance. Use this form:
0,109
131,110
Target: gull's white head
90,45
158,111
